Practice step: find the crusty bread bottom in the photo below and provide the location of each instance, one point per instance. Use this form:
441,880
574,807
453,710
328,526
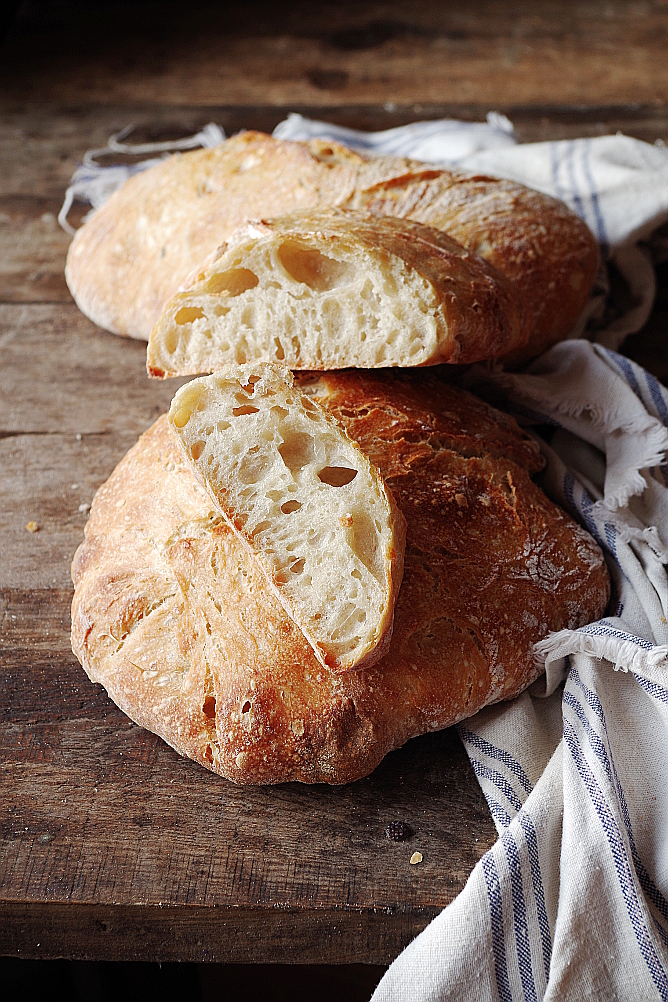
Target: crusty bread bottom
172,616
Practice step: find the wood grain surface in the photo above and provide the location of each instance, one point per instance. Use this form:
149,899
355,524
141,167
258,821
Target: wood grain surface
111,846
488,52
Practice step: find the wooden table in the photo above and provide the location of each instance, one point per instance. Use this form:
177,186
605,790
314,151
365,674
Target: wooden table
111,845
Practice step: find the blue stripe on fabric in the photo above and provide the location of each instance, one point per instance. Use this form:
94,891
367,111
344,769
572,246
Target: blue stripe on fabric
569,485
653,689
539,894
602,629
594,739
627,371
661,931
656,394
520,918
593,195
611,537
577,201
650,889
496,916
484,772
499,813
497,753
606,759
590,696
624,876
554,158
586,507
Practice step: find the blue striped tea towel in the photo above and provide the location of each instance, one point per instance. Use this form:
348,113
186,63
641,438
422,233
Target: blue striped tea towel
572,901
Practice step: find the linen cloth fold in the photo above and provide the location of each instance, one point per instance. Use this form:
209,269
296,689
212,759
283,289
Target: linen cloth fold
572,900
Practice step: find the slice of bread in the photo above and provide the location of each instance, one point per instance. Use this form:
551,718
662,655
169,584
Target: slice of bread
336,289
306,500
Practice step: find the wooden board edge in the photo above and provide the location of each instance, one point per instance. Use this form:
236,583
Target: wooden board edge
81,931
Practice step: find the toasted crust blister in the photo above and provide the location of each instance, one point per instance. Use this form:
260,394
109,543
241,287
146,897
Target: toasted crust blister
305,499
336,289
172,614
135,252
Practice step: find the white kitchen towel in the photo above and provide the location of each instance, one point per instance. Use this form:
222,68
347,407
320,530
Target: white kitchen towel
572,901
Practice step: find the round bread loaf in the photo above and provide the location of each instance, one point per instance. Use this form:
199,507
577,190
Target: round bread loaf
174,618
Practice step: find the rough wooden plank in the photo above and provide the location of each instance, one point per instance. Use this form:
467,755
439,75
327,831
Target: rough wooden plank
104,815
73,399
489,52
33,248
59,373
46,480
248,936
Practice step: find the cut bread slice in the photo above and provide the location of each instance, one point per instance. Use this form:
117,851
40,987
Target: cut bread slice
314,511
336,289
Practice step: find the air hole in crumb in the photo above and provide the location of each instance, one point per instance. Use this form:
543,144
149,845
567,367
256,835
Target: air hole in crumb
171,340
234,282
337,476
297,449
197,449
244,409
250,385
279,353
246,707
187,314
209,707
290,506
298,566
311,268
208,755
262,527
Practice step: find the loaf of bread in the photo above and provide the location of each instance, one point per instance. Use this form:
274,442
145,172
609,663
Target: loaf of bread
174,617
135,252
334,289
305,500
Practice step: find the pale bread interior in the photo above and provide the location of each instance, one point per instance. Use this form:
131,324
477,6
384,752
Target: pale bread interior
303,300
305,498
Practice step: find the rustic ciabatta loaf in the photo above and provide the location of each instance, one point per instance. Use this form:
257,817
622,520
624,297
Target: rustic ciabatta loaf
173,616
134,253
335,289
305,499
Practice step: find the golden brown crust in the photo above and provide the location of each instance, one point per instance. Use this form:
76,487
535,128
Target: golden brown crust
172,616
545,250
136,251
